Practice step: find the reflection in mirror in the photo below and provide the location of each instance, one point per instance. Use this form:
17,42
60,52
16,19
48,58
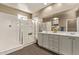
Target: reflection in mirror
61,21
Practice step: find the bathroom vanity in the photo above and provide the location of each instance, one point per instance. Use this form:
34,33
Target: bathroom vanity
66,43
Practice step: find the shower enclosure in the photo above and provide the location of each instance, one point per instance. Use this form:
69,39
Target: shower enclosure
14,33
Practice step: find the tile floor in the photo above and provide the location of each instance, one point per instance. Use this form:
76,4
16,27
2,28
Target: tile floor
33,49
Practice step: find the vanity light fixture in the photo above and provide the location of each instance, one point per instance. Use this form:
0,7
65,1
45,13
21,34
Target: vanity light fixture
55,18
55,21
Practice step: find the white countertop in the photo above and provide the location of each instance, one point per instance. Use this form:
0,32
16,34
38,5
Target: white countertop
73,34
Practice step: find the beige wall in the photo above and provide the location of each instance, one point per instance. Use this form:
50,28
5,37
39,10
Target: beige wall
13,11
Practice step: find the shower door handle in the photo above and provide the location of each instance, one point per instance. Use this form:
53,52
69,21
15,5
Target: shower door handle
29,33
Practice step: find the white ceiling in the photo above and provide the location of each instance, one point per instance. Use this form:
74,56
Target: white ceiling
27,7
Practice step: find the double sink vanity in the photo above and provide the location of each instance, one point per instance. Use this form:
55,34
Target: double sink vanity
66,43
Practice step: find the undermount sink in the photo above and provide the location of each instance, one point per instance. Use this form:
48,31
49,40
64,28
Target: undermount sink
72,33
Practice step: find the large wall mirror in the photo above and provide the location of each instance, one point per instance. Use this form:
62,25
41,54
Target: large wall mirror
64,21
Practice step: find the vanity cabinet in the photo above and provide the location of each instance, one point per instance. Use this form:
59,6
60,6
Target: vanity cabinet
76,46
65,45
62,44
53,42
45,40
40,39
50,44
48,41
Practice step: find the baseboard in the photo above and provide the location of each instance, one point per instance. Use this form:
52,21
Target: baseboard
52,52
15,49
10,50
29,44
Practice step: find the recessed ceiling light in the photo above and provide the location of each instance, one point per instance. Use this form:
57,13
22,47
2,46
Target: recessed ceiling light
49,7
45,3
59,4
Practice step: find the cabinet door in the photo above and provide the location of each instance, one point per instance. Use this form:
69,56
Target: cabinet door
65,45
40,39
45,40
76,46
55,42
50,42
